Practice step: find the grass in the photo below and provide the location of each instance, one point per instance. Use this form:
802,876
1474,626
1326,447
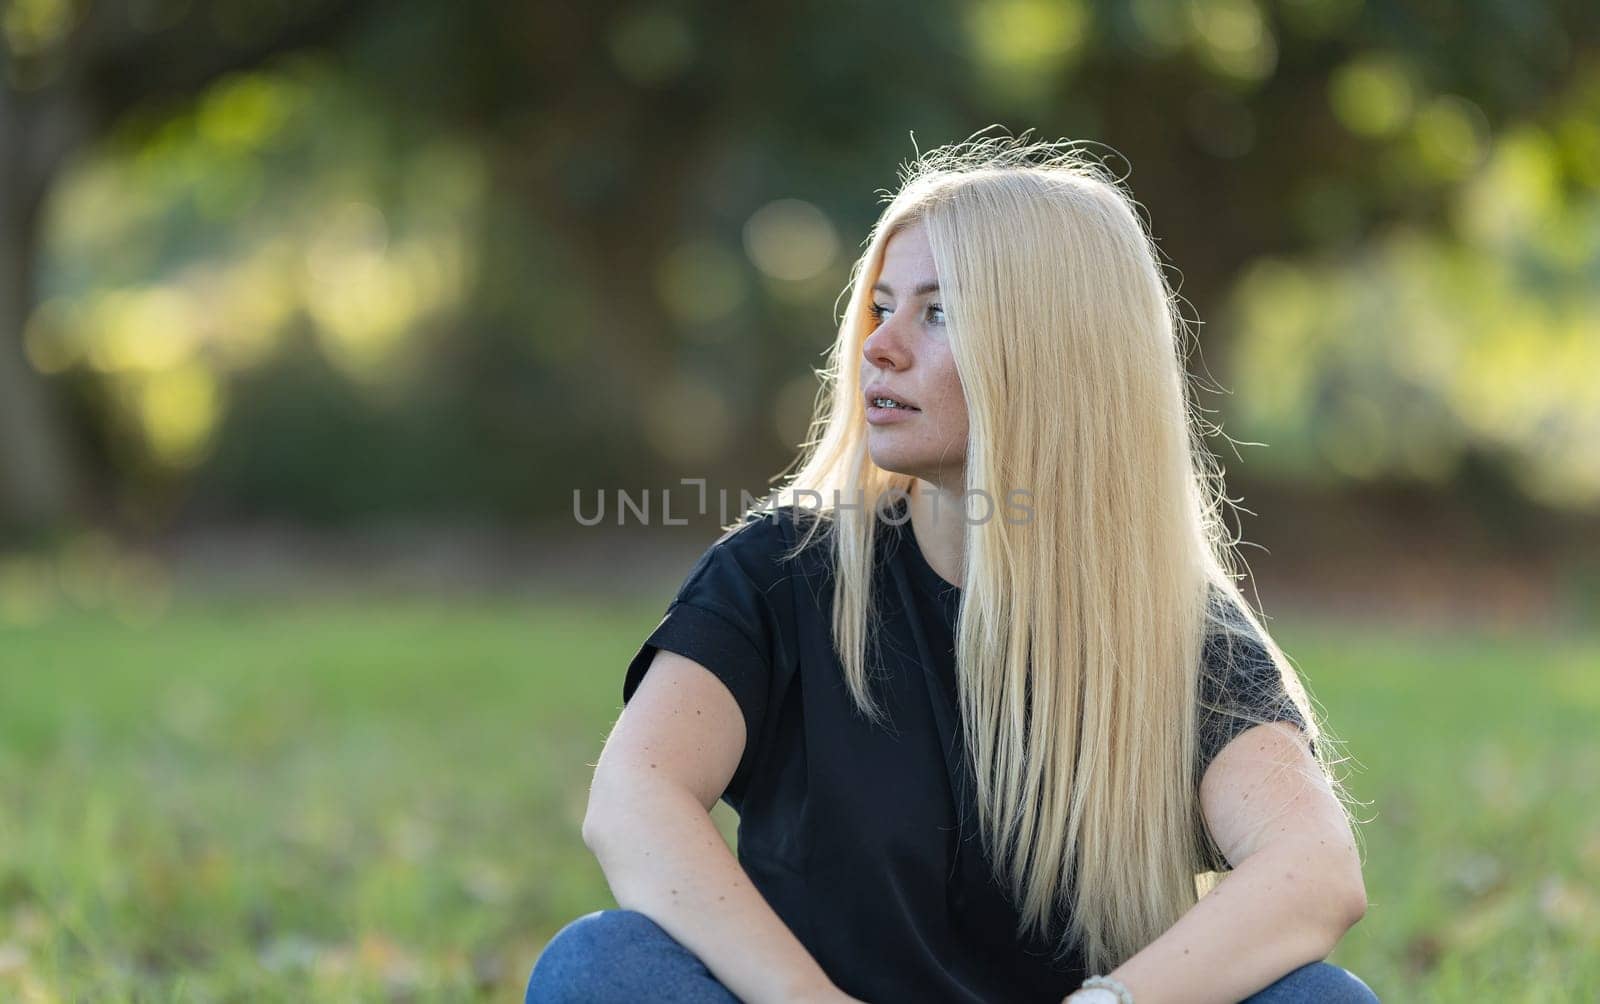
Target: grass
1478,753
379,799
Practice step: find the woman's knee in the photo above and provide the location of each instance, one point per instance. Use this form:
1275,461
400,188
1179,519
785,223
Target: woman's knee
1319,982
585,957
613,955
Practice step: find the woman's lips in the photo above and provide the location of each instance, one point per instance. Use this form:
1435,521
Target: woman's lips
890,416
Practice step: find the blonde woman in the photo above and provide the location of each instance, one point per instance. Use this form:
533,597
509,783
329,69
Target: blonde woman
978,679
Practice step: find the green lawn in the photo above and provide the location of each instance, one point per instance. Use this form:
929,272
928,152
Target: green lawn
379,799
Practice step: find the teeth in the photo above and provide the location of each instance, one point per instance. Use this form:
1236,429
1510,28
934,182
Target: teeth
886,402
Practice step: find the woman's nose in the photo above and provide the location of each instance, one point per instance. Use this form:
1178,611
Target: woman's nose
885,347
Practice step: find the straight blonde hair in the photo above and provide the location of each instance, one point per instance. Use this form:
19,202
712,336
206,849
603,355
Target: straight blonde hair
1088,621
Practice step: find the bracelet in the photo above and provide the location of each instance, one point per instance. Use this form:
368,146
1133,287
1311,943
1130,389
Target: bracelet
1098,995
1116,986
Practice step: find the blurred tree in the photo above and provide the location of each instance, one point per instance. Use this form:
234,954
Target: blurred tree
69,70
602,242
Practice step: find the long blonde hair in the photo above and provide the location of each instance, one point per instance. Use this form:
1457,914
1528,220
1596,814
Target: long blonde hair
1091,618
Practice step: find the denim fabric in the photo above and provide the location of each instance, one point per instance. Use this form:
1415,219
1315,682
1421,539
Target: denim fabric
1316,983
624,957
621,957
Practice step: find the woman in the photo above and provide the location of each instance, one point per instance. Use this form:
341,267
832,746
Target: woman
978,678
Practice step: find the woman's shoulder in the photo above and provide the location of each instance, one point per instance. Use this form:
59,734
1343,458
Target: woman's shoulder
764,542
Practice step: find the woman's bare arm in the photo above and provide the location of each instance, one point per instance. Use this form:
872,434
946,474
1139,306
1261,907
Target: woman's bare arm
1294,890
667,761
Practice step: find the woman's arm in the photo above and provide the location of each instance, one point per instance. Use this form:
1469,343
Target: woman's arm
1294,891
664,766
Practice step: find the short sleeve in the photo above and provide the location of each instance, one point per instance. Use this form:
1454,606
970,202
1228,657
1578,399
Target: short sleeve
729,617
1240,687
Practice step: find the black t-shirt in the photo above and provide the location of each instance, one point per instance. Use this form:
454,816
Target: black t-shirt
849,830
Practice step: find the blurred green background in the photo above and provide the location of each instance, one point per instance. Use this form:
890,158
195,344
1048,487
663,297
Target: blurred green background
315,316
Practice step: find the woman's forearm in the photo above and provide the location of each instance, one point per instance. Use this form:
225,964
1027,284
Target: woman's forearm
664,857
1281,908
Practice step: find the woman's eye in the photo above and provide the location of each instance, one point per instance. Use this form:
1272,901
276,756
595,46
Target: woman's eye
877,311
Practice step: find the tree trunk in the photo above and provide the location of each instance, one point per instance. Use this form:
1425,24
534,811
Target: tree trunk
38,473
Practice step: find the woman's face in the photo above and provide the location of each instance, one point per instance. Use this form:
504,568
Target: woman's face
907,357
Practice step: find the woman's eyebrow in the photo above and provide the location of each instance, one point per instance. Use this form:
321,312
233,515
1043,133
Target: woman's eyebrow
921,290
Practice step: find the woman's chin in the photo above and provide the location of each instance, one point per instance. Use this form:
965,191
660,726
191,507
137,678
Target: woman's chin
897,462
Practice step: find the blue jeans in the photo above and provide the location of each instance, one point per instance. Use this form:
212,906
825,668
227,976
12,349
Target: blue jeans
624,957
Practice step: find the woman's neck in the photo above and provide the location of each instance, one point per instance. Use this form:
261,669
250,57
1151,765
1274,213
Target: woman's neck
938,520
